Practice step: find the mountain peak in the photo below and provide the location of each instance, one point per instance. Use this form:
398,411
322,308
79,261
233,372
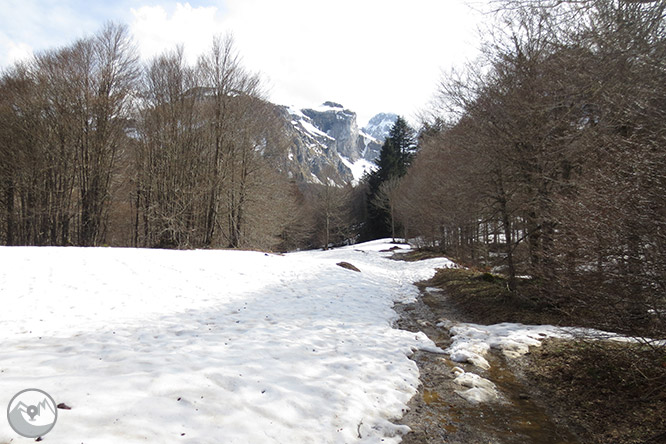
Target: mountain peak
329,104
327,145
380,126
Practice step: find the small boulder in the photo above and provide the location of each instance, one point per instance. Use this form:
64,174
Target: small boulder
348,266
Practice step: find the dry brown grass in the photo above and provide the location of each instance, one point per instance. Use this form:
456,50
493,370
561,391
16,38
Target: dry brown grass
613,393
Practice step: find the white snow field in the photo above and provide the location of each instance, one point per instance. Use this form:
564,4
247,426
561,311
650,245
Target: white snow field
210,346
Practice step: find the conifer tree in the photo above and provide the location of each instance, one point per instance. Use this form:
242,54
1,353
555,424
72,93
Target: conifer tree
394,159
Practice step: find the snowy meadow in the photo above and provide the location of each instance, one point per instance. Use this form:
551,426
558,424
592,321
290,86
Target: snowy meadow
211,346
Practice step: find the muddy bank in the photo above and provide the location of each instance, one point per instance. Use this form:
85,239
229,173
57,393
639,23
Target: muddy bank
440,415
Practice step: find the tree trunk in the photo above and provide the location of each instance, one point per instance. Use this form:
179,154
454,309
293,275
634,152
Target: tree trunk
509,249
9,201
392,224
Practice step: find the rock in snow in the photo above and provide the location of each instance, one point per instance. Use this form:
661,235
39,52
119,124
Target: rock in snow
348,266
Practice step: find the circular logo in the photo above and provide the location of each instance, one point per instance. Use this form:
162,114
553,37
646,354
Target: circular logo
32,413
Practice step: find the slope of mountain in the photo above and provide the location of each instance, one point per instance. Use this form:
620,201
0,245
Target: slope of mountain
325,145
380,125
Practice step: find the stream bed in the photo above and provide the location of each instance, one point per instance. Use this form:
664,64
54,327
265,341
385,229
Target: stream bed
440,415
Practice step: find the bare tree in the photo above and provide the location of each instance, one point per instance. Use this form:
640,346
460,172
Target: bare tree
192,153
559,139
67,110
386,200
206,171
170,159
223,79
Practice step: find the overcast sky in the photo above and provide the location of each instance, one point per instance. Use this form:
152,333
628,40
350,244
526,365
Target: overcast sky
369,55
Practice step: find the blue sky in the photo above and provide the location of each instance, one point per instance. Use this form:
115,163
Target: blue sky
370,55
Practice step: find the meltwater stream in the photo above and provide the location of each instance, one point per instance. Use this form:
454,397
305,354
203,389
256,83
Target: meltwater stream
439,415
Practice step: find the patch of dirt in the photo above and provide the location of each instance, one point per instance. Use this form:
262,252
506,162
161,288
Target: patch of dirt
388,250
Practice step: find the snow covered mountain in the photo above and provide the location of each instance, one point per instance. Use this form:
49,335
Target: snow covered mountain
380,125
325,145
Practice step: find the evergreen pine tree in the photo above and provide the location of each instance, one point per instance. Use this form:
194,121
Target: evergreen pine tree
394,159
403,139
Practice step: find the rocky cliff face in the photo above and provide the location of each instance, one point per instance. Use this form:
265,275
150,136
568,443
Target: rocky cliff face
340,123
380,125
325,145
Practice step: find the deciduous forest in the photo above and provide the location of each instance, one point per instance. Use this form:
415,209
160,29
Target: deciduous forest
548,158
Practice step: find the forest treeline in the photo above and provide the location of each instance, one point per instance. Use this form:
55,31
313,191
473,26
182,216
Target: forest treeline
98,148
547,159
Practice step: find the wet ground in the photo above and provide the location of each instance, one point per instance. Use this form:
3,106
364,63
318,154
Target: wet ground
439,415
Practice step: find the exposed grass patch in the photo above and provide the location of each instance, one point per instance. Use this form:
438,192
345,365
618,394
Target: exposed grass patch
417,255
484,298
614,393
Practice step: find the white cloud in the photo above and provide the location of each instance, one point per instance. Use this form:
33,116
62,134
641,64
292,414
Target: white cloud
156,30
11,51
37,25
369,55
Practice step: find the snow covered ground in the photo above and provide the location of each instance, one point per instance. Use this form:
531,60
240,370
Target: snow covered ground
471,343
210,346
